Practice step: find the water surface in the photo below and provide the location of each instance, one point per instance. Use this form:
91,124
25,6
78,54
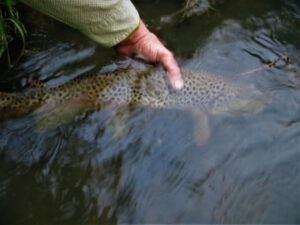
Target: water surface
140,165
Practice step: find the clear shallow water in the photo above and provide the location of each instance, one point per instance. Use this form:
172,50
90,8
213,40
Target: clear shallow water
138,165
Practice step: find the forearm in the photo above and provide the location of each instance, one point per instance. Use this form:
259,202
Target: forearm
107,22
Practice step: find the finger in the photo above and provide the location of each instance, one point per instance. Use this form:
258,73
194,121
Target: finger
169,63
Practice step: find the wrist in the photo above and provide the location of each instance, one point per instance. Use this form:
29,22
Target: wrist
138,33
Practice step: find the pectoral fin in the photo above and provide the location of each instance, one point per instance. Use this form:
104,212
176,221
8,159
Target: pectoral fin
118,122
201,129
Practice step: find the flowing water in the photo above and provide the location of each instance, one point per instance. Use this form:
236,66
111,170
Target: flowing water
142,165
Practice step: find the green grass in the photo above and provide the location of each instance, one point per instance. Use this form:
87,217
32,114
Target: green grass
11,28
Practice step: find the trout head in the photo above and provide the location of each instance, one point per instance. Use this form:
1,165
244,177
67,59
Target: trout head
214,94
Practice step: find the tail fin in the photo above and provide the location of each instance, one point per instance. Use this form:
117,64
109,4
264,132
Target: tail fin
12,105
6,100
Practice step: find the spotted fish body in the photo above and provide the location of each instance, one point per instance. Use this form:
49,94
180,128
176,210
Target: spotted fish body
147,88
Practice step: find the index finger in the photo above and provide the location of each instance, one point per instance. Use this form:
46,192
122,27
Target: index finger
169,63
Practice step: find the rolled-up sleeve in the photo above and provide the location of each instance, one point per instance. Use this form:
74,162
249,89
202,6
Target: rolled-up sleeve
107,22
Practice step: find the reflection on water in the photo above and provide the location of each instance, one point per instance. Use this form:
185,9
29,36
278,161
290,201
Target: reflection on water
148,168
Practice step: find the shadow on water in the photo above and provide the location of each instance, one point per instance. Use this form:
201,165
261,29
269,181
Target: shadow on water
147,168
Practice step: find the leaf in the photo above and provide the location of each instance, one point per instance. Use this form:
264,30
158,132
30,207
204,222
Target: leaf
19,27
10,25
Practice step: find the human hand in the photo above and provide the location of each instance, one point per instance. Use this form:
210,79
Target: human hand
144,44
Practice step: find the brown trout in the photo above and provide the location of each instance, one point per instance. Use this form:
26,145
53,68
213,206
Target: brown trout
202,92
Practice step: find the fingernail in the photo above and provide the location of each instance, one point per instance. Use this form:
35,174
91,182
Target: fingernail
178,84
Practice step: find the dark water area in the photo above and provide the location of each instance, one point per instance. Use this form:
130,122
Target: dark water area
141,165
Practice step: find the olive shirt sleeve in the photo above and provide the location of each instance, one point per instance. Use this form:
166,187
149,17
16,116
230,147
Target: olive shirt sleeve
107,22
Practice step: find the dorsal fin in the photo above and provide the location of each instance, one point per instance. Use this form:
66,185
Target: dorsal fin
36,84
